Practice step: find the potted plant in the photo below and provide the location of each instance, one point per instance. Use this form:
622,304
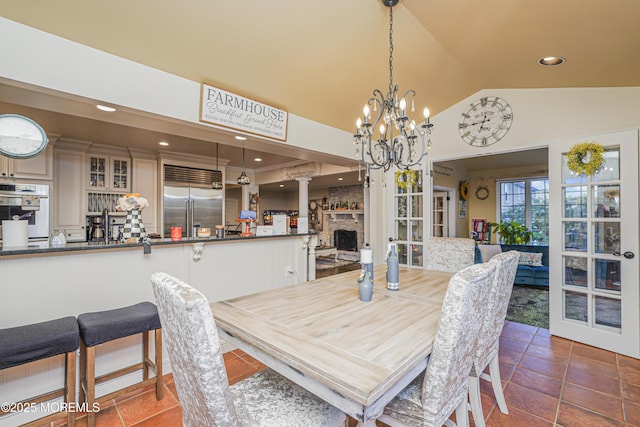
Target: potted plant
512,232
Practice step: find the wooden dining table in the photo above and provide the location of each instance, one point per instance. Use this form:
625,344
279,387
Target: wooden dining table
355,355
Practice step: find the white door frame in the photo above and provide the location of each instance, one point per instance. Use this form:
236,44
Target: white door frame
625,340
450,209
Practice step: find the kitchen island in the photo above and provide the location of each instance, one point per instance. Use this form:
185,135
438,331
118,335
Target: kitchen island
40,283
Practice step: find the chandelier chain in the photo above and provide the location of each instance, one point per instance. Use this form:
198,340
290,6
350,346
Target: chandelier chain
391,50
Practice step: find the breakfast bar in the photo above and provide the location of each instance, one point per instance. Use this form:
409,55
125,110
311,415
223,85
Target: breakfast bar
40,283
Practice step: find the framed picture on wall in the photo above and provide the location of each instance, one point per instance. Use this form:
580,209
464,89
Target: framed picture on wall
462,208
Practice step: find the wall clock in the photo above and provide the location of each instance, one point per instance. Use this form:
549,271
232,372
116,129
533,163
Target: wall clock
21,137
486,121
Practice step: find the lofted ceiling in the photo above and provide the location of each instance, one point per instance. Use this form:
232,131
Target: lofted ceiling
321,60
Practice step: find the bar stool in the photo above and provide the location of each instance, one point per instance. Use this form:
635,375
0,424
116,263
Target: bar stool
104,326
30,343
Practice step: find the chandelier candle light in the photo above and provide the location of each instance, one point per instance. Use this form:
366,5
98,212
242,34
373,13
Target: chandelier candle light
401,149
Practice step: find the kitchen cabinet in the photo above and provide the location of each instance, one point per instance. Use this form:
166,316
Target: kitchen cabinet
39,167
145,182
69,195
108,173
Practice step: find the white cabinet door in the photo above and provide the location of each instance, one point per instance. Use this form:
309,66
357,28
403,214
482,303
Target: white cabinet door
39,167
593,246
69,200
145,182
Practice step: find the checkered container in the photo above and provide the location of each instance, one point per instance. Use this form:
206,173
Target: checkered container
133,226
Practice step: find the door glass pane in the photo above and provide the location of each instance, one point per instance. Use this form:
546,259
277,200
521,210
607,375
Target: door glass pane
608,312
402,229
401,207
575,306
608,274
416,206
402,253
611,169
606,200
575,236
575,271
570,177
606,237
416,255
575,202
416,230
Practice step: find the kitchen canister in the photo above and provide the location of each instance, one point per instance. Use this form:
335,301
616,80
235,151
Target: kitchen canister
14,233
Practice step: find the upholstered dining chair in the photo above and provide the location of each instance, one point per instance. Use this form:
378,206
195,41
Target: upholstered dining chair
489,338
434,395
191,338
450,254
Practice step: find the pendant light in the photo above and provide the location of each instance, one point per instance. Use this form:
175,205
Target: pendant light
217,174
243,179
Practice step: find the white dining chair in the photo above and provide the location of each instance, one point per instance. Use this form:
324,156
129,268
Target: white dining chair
191,339
434,395
489,338
450,254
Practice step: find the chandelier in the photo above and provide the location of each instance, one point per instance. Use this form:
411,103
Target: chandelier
217,175
400,141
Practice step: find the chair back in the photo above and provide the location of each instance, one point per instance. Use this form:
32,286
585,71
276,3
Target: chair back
496,309
192,342
445,383
450,254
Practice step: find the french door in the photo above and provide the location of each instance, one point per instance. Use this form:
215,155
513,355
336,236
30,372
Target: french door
440,212
593,246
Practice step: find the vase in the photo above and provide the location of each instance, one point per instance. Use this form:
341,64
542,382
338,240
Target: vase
133,226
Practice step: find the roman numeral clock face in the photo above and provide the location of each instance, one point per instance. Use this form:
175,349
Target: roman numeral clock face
485,122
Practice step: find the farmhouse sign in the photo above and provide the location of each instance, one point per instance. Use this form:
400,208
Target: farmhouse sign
219,107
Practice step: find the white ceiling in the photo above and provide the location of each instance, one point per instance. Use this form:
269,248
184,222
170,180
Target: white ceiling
321,60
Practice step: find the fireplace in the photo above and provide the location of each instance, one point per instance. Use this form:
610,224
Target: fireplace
346,240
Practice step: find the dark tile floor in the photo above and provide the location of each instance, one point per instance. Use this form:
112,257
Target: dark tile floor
548,381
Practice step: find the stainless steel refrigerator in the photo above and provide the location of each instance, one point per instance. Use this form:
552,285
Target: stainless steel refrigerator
190,204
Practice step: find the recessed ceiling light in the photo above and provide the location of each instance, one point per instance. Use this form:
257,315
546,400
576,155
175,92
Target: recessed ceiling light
551,61
281,185
257,159
105,108
240,138
165,143
340,179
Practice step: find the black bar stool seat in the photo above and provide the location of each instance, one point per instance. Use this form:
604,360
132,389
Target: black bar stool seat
103,326
37,341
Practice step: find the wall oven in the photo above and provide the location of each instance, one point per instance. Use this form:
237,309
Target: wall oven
31,200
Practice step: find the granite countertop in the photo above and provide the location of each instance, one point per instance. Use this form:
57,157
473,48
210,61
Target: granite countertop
43,247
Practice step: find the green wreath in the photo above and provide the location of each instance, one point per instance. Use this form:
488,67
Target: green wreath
406,178
586,158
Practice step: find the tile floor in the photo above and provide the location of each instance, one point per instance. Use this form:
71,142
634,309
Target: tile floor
548,381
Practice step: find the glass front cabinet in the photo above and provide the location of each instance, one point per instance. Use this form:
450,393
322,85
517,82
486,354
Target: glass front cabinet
108,173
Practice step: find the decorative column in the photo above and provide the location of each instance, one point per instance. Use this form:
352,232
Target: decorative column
245,197
303,198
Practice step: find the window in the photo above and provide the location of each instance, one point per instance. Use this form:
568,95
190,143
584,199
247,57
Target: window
527,201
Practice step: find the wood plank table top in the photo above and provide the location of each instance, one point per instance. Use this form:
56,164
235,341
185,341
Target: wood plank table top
356,355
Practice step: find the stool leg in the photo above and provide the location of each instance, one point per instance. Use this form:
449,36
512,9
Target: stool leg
70,386
159,378
91,385
83,372
145,355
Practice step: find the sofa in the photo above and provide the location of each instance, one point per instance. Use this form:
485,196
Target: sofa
533,268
